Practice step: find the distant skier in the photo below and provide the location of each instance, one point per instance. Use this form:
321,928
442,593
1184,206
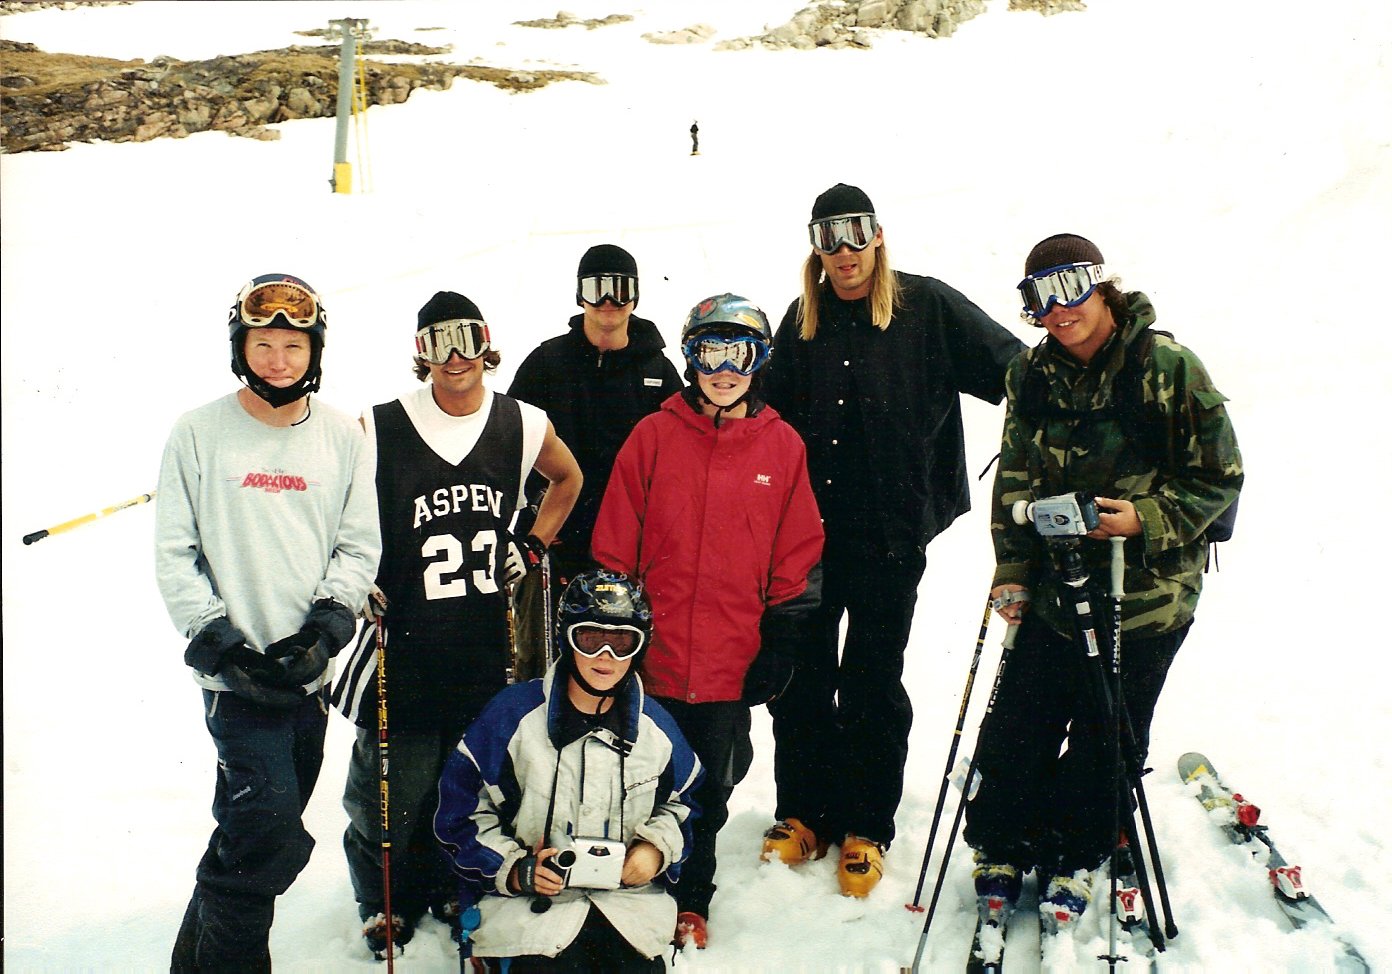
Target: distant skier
266,543
1037,807
695,140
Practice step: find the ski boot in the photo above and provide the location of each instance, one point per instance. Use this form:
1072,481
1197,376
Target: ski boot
861,867
792,843
1064,901
374,931
691,930
447,911
997,890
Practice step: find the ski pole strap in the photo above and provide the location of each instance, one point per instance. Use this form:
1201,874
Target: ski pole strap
1118,566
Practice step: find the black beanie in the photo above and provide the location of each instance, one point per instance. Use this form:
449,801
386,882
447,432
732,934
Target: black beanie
607,259
447,306
841,199
1061,250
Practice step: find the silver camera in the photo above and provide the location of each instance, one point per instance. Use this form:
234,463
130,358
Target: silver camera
590,863
1061,516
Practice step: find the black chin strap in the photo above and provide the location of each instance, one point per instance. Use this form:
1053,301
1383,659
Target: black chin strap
699,396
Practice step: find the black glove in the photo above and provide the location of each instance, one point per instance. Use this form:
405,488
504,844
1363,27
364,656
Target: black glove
333,621
769,674
527,868
524,556
780,630
303,657
208,650
245,682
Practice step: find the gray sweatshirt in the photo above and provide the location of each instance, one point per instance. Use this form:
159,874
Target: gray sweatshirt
257,523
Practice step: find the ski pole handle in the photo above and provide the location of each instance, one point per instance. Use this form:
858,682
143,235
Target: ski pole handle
1118,566
77,522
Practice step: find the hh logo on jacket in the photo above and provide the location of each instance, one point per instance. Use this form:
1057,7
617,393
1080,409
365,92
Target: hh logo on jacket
763,480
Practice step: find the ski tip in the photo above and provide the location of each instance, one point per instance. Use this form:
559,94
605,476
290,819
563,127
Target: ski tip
1193,764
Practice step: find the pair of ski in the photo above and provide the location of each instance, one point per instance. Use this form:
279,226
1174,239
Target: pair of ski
1239,820
987,954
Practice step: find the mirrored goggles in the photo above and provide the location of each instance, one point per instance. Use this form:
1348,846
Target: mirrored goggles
258,304
468,337
619,288
589,639
856,230
1069,285
708,354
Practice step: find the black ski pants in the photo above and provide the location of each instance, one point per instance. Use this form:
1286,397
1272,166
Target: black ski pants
597,949
719,734
841,729
1035,806
268,763
420,871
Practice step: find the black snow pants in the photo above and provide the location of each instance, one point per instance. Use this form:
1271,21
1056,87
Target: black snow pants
1035,806
268,763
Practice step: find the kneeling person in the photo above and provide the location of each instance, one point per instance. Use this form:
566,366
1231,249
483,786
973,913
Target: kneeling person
578,768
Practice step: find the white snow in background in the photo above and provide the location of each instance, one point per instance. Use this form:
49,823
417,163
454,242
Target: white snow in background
1232,160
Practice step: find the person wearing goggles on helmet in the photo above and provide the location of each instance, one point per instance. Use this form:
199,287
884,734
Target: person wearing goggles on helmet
595,382
586,760
1132,418
709,503
868,365
266,542
451,462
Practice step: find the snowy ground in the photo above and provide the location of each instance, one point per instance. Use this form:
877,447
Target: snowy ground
1233,160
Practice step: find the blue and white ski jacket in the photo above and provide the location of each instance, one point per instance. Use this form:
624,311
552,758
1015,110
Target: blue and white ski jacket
496,790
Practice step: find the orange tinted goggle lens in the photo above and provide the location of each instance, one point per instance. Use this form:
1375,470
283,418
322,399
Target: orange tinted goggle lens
264,302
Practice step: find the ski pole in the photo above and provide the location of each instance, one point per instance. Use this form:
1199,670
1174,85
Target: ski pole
548,644
1118,590
914,907
77,522
383,767
1007,644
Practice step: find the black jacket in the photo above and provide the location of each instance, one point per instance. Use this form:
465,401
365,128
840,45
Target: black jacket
880,408
594,399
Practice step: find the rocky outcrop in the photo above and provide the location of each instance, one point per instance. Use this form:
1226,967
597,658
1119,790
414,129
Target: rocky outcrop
50,100
846,23
1047,7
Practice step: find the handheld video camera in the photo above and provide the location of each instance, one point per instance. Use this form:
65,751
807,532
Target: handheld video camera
1061,516
589,863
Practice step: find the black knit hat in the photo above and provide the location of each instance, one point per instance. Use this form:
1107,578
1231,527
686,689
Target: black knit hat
1060,250
607,259
447,306
841,199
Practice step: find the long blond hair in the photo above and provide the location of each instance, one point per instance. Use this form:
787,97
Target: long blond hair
885,293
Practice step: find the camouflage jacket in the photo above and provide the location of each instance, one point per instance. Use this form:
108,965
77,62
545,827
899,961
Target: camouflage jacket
1088,450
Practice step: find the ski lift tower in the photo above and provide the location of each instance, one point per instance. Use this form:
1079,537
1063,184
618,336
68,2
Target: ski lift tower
353,30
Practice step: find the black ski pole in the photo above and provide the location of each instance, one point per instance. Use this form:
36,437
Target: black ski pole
1007,644
914,907
384,766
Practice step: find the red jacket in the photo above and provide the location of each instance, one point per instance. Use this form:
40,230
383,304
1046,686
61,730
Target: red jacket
718,523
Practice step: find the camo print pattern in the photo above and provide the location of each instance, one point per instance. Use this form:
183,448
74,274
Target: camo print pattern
1164,566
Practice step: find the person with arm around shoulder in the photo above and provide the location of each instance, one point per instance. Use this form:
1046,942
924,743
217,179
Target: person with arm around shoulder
869,366
266,543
